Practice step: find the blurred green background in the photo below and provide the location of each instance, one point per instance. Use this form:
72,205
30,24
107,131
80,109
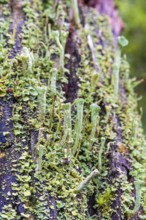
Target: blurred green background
133,13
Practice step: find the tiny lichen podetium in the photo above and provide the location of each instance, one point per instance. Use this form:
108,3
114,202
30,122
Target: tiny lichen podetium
42,91
79,123
94,119
76,12
67,137
53,81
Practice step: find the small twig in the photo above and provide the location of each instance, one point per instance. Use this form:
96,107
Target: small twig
84,183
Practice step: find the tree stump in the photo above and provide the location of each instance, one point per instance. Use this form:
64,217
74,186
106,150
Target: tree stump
71,140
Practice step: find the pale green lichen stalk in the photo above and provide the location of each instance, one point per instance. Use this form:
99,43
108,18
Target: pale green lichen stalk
67,126
138,186
56,37
102,146
94,119
54,72
28,60
79,124
39,151
75,8
42,90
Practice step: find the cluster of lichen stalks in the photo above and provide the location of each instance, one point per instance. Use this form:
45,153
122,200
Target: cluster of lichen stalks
67,109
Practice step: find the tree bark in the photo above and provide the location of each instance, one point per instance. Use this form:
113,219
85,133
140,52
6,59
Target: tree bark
71,141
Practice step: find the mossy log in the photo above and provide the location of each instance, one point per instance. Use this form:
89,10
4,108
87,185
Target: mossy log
71,140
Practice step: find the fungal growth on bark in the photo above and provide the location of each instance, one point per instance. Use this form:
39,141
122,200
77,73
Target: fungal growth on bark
71,140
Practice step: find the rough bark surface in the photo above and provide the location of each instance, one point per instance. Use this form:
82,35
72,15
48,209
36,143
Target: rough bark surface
67,109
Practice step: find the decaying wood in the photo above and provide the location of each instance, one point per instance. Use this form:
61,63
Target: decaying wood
50,58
